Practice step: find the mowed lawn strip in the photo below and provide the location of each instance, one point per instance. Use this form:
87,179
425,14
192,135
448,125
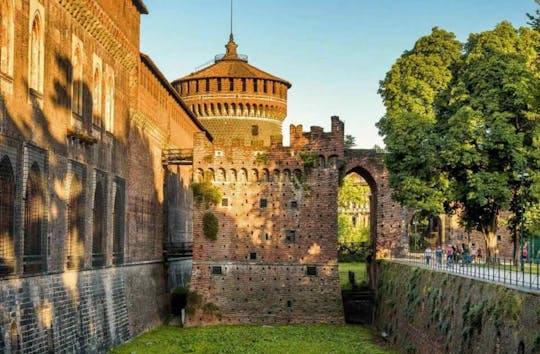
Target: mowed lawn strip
255,339
359,270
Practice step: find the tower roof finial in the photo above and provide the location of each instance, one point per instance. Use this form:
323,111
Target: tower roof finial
231,46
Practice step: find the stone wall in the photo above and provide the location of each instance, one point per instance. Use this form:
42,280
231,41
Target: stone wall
424,311
79,312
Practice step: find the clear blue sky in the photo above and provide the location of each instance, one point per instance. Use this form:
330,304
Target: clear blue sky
333,52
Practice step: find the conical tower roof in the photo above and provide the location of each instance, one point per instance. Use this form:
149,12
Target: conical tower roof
232,65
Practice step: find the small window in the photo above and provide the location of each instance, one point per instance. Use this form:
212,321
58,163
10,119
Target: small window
311,271
219,84
207,85
255,130
243,85
219,153
231,84
499,237
255,85
265,87
290,236
294,204
253,256
216,270
267,237
263,203
224,202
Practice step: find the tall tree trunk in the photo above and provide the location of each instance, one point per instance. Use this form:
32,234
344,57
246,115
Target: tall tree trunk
490,237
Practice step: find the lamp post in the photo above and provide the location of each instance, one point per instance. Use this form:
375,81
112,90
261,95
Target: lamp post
522,176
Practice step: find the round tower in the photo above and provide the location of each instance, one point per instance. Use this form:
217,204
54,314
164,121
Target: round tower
234,99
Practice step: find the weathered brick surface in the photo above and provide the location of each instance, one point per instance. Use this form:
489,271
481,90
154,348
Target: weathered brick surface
88,311
265,277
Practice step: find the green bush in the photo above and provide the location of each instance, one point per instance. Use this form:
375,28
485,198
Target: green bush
210,226
206,192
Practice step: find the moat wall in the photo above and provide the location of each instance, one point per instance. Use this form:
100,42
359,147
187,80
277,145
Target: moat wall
423,311
80,312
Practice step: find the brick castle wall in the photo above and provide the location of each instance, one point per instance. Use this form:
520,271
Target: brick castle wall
276,220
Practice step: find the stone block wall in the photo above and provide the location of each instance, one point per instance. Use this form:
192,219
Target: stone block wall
424,311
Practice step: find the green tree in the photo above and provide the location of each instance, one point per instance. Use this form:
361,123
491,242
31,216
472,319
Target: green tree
352,194
350,141
464,151
409,91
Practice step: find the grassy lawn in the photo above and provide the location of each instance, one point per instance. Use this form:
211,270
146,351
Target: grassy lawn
359,270
255,339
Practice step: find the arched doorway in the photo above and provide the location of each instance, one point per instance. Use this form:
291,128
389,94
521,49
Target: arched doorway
357,225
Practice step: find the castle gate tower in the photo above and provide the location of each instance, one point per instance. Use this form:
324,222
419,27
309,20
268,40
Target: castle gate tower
234,99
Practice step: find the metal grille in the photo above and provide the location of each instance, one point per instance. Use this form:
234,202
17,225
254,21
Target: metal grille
119,217
7,205
75,244
98,257
33,221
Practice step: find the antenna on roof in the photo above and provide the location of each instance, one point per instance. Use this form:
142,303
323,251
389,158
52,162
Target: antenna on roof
231,17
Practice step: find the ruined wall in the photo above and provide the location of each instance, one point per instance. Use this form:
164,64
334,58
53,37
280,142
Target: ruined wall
424,311
275,257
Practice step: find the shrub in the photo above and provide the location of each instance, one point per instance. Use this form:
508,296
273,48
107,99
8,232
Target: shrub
210,226
179,299
205,192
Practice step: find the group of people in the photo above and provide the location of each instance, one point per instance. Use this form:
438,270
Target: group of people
454,254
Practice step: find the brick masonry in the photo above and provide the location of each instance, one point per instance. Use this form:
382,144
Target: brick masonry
78,312
264,269
56,308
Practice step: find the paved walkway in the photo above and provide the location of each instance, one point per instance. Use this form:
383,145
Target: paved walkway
497,273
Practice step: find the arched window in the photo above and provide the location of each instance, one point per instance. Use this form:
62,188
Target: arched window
98,239
209,175
199,176
109,101
7,207
254,175
6,37
75,244
286,175
76,82
36,54
96,97
119,217
265,175
243,175
232,175
219,112
233,109
33,221
276,176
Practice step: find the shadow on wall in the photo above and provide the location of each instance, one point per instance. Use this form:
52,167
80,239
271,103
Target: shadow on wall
70,310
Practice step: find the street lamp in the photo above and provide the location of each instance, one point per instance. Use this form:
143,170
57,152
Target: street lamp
522,175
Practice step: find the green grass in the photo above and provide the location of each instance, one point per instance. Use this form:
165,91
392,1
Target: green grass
359,270
255,339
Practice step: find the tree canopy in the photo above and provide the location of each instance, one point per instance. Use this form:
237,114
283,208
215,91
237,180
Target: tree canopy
462,125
